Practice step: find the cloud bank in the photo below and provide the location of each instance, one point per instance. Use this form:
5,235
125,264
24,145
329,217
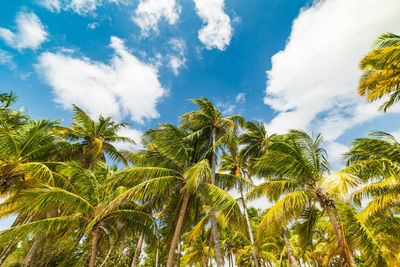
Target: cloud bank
313,81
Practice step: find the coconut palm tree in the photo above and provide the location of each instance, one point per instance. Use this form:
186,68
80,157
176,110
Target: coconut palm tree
296,166
208,125
255,139
10,118
374,164
178,181
80,208
26,153
237,164
94,140
381,68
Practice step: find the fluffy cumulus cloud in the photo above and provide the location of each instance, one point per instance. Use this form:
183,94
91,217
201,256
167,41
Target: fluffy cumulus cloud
217,31
313,81
29,32
81,7
176,57
150,13
124,87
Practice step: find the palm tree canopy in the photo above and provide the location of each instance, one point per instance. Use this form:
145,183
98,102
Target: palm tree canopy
381,74
95,139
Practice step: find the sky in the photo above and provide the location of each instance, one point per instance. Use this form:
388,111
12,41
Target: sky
291,64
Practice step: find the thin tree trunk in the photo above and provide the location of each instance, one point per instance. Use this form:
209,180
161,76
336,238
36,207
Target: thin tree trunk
209,251
36,245
157,251
289,248
7,251
214,227
178,229
204,261
138,250
178,257
255,258
93,247
340,237
108,254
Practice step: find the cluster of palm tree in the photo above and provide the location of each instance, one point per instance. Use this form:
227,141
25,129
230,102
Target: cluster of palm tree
186,197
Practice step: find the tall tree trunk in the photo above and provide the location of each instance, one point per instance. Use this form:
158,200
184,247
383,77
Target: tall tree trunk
178,229
93,246
138,250
209,251
7,251
158,249
108,254
178,254
339,236
36,245
254,253
289,248
214,226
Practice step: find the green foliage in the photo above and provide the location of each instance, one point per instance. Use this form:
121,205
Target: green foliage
77,207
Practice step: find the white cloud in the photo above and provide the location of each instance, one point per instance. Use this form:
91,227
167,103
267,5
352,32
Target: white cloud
313,81
82,7
240,98
176,57
7,59
335,152
134,134
30,32
93,25
123,87
149,14
217,32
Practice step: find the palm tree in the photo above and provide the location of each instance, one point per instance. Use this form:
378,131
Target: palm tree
255,140
381,68
81,208
295,166
208,125
94,139
374,162
10,118
177,181
26,153
237,164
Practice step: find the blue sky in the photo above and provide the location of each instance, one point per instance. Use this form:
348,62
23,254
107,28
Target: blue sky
292,64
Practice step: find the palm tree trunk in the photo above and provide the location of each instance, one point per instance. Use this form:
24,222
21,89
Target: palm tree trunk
93,247
158,249
178,229
178,257
289,248
255,258
214,227
36,245
138,250
209,251
7,251
340,236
